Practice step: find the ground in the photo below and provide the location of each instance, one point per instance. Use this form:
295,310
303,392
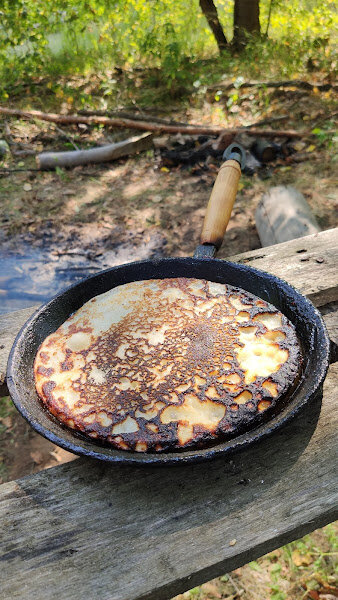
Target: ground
139,207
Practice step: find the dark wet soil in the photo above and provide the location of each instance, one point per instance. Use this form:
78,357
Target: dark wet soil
35,267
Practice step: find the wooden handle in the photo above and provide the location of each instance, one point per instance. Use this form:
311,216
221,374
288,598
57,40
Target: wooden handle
220,204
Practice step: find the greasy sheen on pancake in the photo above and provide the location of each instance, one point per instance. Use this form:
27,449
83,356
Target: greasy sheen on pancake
168,364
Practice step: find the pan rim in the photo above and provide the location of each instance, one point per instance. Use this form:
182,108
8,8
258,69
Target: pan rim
92,449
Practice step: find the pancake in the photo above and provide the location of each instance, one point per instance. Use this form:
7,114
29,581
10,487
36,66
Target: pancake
168,364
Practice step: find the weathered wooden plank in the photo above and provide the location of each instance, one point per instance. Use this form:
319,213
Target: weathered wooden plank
92,530
309,263
10,325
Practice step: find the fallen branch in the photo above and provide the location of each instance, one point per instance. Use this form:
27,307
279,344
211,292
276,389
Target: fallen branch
297,83
144,126
128,115
50,160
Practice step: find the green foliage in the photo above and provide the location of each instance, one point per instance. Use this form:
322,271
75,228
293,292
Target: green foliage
39,39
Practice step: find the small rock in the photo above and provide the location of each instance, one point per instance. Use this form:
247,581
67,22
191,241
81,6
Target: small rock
233,542
27,187
319,259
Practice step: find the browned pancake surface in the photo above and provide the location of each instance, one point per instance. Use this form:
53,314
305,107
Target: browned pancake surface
168,364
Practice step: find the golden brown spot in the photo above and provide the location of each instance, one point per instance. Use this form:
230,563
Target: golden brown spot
234,406
200,381
194,412
152,427
242,316
182,388
243,397
271,387
124,384
237,303
185,433
103,419
275,336
120,442
141,447
211,392
128,425
263,405
233,378
89,418
270,320
78,341
149,412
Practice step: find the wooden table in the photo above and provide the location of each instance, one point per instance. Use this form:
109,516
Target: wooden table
92,530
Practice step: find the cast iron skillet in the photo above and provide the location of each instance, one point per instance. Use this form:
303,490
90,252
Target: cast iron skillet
301,312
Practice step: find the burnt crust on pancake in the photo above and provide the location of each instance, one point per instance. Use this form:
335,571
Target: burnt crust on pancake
168,364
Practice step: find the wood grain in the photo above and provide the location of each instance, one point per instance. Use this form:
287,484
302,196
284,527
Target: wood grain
309,263
220,204
91,530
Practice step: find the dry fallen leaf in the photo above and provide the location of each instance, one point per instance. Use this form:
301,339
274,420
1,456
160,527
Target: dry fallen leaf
211,589
27,187
7,422
37,457
301,560
312,595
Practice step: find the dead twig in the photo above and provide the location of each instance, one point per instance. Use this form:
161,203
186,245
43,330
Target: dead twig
239,592
146,126
67,136
297,83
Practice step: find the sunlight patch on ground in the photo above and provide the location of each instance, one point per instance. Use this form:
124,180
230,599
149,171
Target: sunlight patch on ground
138,187
89,194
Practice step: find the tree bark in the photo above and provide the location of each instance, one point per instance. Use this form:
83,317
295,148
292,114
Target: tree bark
210,12
246,21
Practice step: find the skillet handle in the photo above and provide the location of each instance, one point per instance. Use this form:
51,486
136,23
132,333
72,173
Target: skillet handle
222,200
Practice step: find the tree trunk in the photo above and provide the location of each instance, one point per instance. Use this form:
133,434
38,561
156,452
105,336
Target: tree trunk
210,12
246,21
